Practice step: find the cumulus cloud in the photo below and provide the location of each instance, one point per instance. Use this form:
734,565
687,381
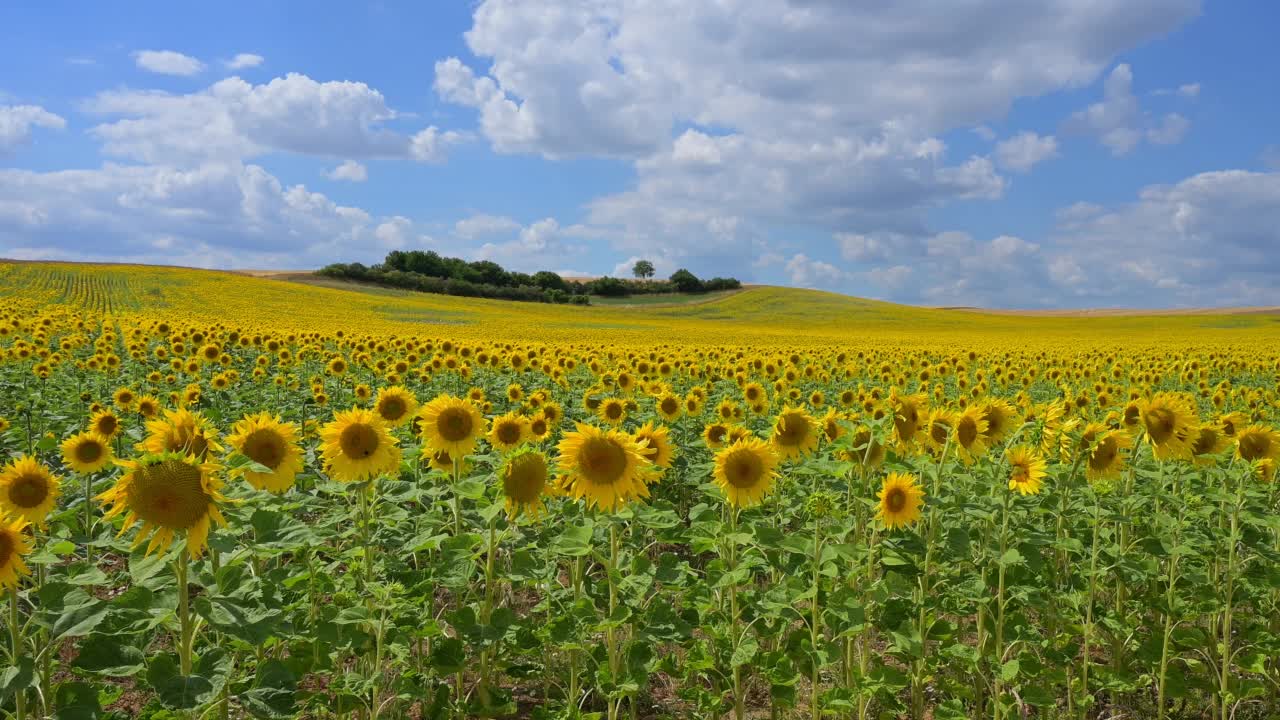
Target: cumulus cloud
1025,150
481,225
237,119
167,62
350,171
1120,123
243,61
803,271
17,121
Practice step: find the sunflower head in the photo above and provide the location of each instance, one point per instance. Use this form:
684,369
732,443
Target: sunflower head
612,411
1167,421
745,471
1103,451
656,441
508,432
356,445
1257,442
970,434
395,405
908,416
169,493
105,423
900,499
1026,469
1208,441
451,424
865,449
669,406
604,467
525,477
268,442
14,543
28,490
148,406
795,433
86,452
181,431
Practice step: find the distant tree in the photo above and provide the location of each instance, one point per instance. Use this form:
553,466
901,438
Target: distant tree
643,269
548,280
608,287
685,281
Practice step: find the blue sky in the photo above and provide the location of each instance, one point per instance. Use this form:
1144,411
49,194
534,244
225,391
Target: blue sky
1001,153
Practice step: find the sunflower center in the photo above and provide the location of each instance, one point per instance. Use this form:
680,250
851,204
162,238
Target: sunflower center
603,461
1254,445
525,478
939,431
358,440
391,408
670,406
1021,475
169,494
1160,423
895,499
88,452
716,433
508,433
6,548
792,430
29,490
613,410
743,469
265,447
454,424
967,432
1104,454
1205,442
538,427
107,425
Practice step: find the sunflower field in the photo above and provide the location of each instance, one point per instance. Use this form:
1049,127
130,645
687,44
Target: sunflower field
223,496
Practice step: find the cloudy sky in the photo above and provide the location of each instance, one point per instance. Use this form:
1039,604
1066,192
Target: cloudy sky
1011,153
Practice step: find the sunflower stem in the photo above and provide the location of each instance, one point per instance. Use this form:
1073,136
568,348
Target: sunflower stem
184,615
88,518
1233,539
15,632
610,634
998,705
739,707
815,631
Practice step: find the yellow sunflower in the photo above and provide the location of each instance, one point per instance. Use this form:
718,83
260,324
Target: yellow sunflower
1104,459
451,424
14,543
937,430
745,471
604,467
970,435
1026,469
612,411
669,406
656,441
525,478
865,449
395,405
148,406
441,459
124,398
267,441
1232,422
181,431
28,490
86,452
168,493
831,424
539,427
1167,422
1208,441
908,414
508,431
1002,419
795,433
900,500
714,435
357,445
1257,442
105,423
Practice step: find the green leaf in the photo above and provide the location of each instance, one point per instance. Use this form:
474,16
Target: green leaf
745,651
1009,671
1012,557
275,691
448,656
175,690
575,541
80,621
76,701
17,677
254,624
107,655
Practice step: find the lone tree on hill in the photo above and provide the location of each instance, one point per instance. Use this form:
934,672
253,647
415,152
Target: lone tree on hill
643,269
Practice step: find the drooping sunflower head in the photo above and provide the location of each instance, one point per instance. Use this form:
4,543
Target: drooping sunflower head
169,493
181,431
105,423
86,452
746,470
357,445
1002,419
1167,421
451,424
795,433
900,499
831,425
612,411
938,427
865,450
970,434
1208,441
908,416
604,467
268,442
14,543
525,477
1232,422
1026,469
1257,442
441,459
395,405
508,431
656,441
1103,451
28,490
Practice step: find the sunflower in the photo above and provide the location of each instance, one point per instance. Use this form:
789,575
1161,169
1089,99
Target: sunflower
1167,423
86,452
937,429
451,424
668,406
714,435
441,459
1257,442
795,433
148,406
865,449
970,435
169,493
14,543
908,411
181,431
525,478
28,490
508,431
124,398
539,427
1027,469
1104,446
1232,422
1208,441
553,413
612,411
604,467
515,392
356,445
105,423
656,441
267,441
900,500
831,424
395,405
754,393
1002,419
745,471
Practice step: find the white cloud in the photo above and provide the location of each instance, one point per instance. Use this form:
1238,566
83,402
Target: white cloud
350,171
482,225
16,122
1024,150
1190,90
803,271
242,61
1170,131
1119,121
236,119
167,62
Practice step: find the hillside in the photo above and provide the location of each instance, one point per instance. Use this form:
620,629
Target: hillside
759,315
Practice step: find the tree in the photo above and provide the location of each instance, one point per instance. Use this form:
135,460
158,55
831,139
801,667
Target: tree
685,281
643,269
548,280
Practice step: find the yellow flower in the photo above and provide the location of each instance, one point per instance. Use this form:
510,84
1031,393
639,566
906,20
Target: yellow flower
1026,469
395,405
908,412
356,445
970,435
795,433
105,423
1167,422
267,441
604,467
181,431
451,424
1257,442
657,445
525,478
86,452
900,500
714,435
28,490
170,493
668,406
1104,459
14,543
612,411
508,431
745,471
